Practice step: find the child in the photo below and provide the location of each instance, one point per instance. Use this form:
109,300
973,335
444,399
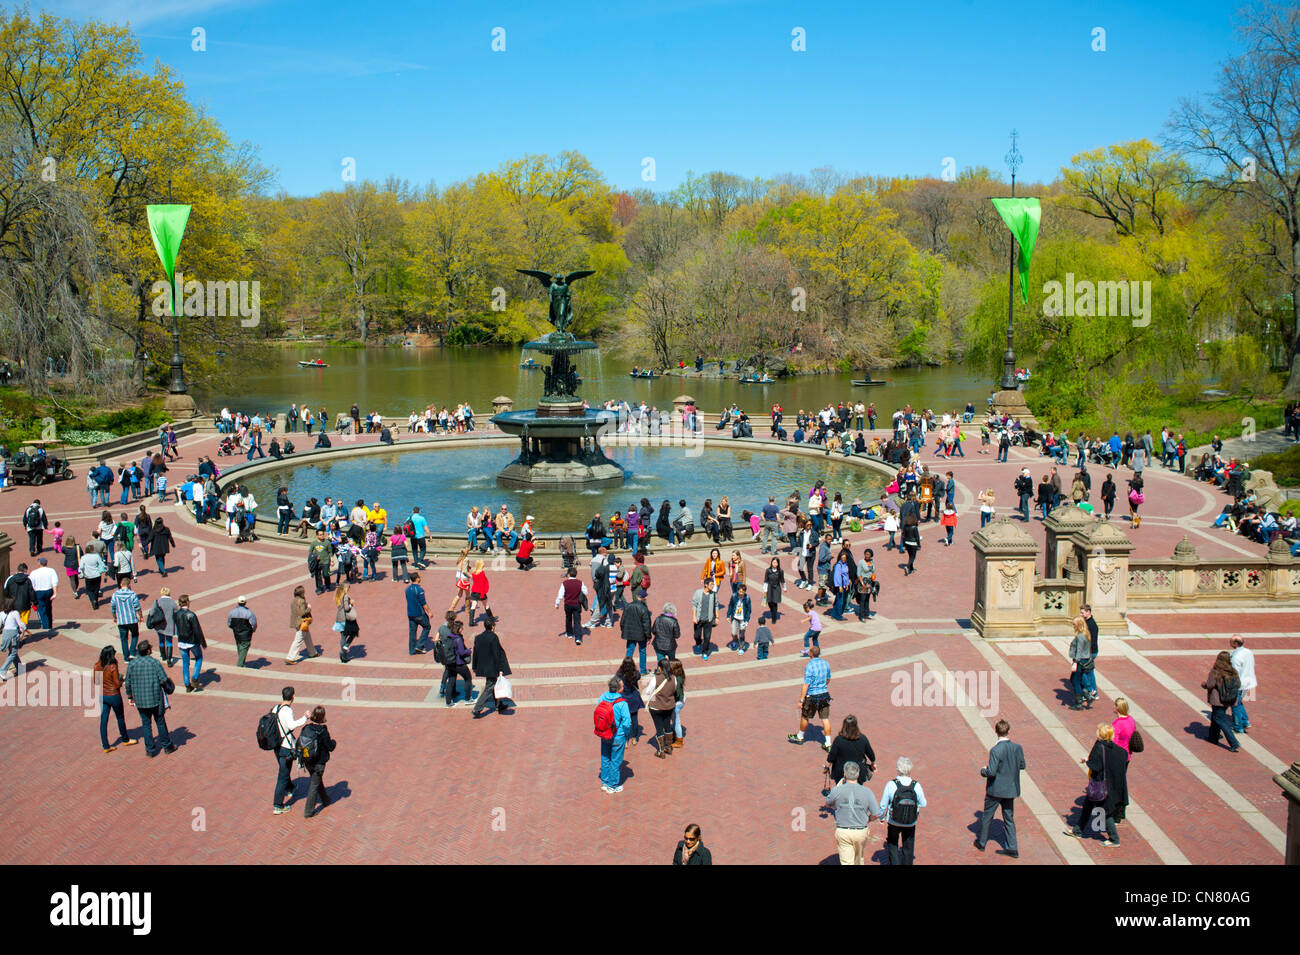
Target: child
58,537
618,529
762,638
814,627
891,528
823,598
162,488
755,524
948,521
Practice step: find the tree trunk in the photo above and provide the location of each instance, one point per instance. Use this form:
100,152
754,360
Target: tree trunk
1292,389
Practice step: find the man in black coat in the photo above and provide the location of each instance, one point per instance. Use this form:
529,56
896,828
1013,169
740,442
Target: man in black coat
18,588
489,661
635,626
36,523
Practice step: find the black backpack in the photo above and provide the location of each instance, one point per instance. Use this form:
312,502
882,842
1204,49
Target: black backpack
903,808
1229,687
32,518
269,735
156,620
444,652
307,748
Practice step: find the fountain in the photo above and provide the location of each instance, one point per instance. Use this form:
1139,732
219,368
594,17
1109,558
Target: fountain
559,439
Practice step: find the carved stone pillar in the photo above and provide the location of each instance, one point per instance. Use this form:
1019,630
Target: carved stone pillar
1066,527
1290,783
1280,564
1005,557
1104,555
502,403
1184,582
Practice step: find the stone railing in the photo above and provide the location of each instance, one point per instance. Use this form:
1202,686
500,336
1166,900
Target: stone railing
1087,561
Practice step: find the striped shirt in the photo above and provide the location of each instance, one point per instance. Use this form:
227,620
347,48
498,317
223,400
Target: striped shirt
126,606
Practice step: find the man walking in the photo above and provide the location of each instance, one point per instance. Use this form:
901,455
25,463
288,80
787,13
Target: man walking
768,526
146,685
1002,788
127,613
417,617
603,613
815,698
635,627
35,522
854,806
45,587
1090,674
1243,661
613,719
284,752
704,614
489,661
900,804
570,595
1024,488
242,623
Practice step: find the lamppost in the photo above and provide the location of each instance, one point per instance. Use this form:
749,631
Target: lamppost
1013,161
178,386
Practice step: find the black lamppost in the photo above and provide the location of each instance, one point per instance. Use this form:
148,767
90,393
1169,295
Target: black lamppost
1013,161
178,386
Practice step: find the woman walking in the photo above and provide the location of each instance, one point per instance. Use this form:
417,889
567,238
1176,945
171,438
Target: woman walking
397,553
478,592
911,541
462,581
1108,494
1222,687
851,746
837,518
714,568
315,732
948,521
1125,728
12,629
690,850
774,585
1080,661
71,561
189,640
1135,499
1107,786
456,664
679,673
165,628
300,624
345,613
161,543
663,699
736,571
109,678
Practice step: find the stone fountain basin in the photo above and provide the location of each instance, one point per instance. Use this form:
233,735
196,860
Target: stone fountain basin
560,425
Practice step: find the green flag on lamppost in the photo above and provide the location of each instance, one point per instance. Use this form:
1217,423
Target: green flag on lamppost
1022,217
167,227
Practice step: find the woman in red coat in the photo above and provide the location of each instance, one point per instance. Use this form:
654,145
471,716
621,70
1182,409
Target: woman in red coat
478,591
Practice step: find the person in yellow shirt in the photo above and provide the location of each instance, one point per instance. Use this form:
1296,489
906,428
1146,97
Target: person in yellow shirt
377,516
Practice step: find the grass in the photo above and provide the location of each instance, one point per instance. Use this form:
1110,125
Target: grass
1198,421
24,418
1285,467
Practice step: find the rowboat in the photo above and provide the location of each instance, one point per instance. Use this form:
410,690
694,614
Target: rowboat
644,374
756,381
871,381
312,364
530,365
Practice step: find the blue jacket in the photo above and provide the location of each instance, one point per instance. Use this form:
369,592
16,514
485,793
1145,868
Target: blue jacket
731,606
622,715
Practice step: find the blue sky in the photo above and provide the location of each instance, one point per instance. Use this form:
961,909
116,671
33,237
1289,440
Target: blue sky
415,89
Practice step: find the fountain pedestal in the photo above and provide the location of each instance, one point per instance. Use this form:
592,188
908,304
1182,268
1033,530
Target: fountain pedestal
559,440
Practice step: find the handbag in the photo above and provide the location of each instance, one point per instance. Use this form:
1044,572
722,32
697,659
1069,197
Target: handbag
502,690
1096,790
1136,743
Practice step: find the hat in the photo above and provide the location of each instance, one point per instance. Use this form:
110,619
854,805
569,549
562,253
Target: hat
529,517
242,600
641,593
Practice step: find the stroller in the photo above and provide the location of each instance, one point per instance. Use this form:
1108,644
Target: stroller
568,554
227,448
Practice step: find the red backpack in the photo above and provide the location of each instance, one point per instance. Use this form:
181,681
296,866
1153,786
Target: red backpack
604,718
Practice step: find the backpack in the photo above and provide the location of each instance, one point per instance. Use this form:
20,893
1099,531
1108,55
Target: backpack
408,529
156,620
444,652
32,518
269,735
903,808
307,748
604,719
122,533
645,580
1229,687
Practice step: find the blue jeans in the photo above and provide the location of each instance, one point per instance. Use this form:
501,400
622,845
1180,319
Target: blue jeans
1045,506
368,567
1076,682
413,623
131,630
985,517
812,635
1024,507
633,542
631,648
611,760
185,664
1219,723
45,608
837,611
150,714
283,780
1239,718
1090,676
1002,453
761,651
472,537
112,704
514,538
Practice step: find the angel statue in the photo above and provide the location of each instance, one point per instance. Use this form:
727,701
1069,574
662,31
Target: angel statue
558,286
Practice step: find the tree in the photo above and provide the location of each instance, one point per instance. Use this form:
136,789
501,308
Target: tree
358,227
1251,125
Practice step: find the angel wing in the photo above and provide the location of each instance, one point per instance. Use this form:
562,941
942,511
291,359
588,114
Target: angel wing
574,276
543,277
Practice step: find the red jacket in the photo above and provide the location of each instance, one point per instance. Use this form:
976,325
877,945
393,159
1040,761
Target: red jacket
478,583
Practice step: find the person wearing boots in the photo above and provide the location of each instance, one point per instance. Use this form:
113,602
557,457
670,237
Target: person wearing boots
662,702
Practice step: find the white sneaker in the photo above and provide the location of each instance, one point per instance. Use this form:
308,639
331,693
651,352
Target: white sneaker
605,788
617,789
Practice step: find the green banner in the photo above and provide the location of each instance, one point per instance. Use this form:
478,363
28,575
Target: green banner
167,226
1022,217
